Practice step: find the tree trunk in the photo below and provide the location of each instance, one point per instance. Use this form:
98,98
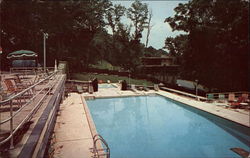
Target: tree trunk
149,27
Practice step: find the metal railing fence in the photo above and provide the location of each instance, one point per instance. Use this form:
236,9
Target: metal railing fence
225,95
23,105
27,70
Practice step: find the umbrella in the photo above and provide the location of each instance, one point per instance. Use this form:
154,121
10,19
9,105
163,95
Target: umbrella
21,53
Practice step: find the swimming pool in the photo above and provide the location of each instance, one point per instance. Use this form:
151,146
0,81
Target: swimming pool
106,86
154,126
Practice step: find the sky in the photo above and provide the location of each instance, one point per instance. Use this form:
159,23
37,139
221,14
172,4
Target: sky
160,30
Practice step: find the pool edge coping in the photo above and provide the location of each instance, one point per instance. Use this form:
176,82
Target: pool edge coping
213,112
205,110
90,121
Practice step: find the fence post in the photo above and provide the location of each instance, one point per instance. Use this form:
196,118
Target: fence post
11,126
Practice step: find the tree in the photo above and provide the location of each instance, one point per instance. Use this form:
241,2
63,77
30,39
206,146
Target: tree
138,14
176,45
152,52
114,15
77,31
149,27
217,44
71,26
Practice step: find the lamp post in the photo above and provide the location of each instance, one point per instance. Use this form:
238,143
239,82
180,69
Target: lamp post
55,66
45,36
196,89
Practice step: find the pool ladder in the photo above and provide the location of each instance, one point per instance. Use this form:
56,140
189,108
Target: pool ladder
101,151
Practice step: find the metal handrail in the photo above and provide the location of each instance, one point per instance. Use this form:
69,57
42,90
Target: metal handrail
226,94
26,69
12,115
27,89
23,121
183,93
96,151
23,106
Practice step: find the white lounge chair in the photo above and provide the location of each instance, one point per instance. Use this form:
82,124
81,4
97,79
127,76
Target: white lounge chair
156,87
79,88
145,88
231,97
133,88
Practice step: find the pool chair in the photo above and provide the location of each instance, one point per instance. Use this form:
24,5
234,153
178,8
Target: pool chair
140,88
23,85
145,88
241,102
39,75
12,90
231,97
245,95
79,88
132,88
210,98
156,87
221,98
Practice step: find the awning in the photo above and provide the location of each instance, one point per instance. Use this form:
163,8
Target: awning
21,54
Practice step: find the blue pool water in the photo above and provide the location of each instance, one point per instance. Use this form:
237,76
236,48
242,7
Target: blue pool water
106,85
156,127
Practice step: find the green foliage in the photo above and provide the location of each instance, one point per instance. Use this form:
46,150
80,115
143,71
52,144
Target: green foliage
138,14
176,45
114,15
152,52
102,64
215,49
77,32
71,26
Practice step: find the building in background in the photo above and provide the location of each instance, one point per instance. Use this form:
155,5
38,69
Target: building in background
163,68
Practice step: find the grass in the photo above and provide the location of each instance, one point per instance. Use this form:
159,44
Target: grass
112,78
105,65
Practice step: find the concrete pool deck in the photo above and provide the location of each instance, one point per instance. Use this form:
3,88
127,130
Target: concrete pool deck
72,135
73,129
236,115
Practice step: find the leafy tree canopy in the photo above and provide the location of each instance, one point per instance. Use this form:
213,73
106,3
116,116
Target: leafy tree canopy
215,49
77,31
138,14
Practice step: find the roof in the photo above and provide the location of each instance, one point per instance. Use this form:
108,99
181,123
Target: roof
22,53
